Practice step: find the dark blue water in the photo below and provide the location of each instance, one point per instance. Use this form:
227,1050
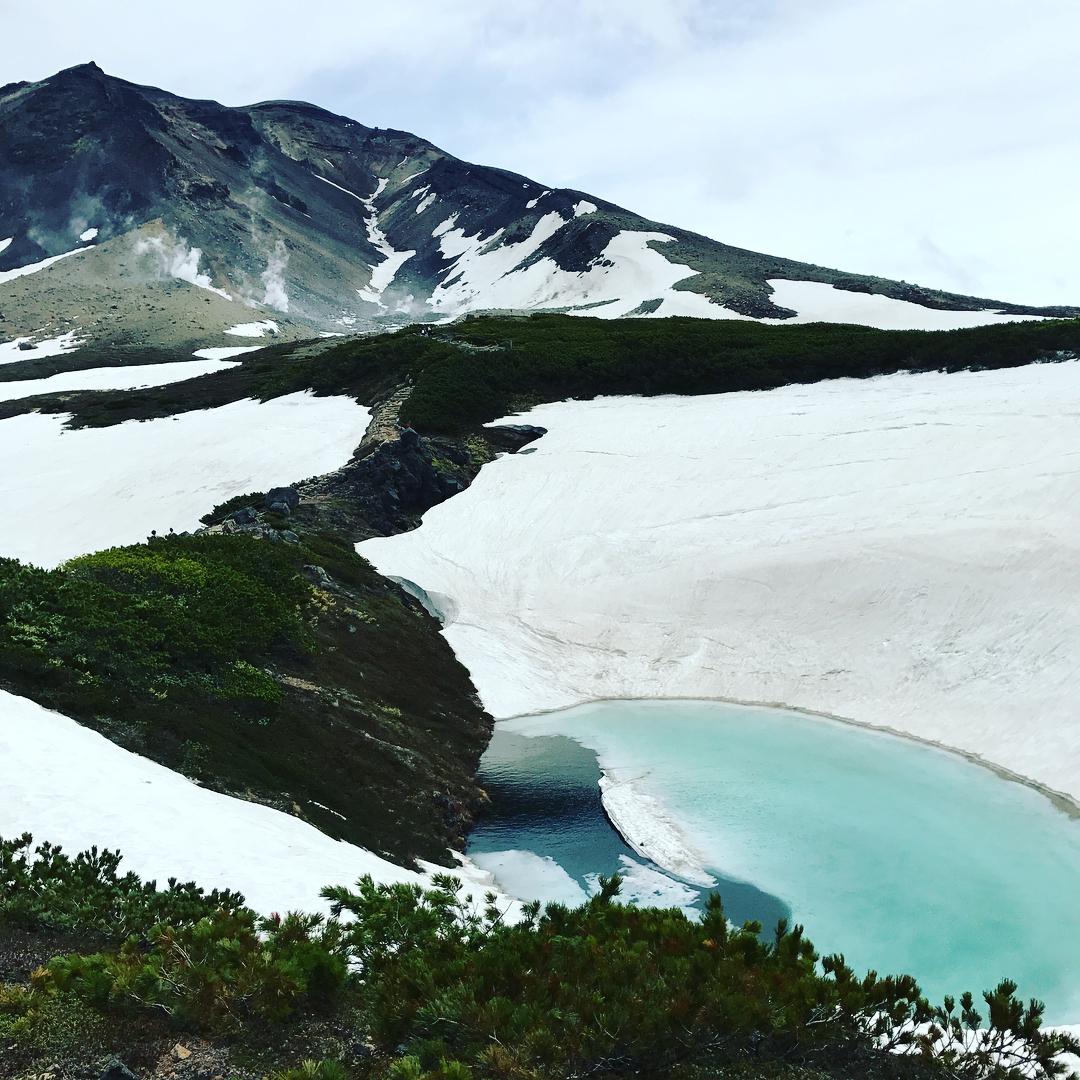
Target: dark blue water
545,800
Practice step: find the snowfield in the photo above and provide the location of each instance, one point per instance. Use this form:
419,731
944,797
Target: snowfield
226,351
114,378
382,273
77,491
71,786
11,353
487,274
254,329
899,551
630,277
33,268
818,302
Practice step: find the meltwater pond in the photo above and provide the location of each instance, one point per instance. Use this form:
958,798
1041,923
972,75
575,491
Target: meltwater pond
902,856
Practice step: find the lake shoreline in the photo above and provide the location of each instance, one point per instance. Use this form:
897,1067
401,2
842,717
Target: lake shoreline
830,822
1059,799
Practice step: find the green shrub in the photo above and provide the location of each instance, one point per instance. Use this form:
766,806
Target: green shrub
313,1070
608,989
555,357
49,1025
226,968
44,887
449,991
177,618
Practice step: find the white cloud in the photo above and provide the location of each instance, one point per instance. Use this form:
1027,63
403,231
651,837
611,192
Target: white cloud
918,140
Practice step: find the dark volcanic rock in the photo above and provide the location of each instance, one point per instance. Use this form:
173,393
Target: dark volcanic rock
282,500
513,437
401,479
117,1070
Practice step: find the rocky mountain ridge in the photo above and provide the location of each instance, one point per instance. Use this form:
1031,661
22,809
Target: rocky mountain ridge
135,217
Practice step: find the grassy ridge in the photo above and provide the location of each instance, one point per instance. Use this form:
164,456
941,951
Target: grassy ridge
479,369
220,656
550,358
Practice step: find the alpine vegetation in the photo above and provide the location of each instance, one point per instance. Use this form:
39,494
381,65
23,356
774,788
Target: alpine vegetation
433,983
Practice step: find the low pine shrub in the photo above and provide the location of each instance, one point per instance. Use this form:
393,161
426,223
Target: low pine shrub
446,989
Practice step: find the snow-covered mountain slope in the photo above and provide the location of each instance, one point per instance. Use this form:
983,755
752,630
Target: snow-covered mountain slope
77,491
71,786
137,217
900,551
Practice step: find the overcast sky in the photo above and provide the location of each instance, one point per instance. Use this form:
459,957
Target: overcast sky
930,140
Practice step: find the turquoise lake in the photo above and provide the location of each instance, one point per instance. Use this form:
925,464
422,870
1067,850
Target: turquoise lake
902,856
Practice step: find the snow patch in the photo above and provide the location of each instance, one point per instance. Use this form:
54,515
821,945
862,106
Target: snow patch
90,234
816,301
82,490
532,202
382,274
359,198
489,274
482,274
33,268
114,378
71,786
444,226
584,207
10,351
254,329
5,244
690,304
426,202
225,352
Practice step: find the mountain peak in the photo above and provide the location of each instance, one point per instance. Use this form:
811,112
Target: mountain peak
89,68
331,226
